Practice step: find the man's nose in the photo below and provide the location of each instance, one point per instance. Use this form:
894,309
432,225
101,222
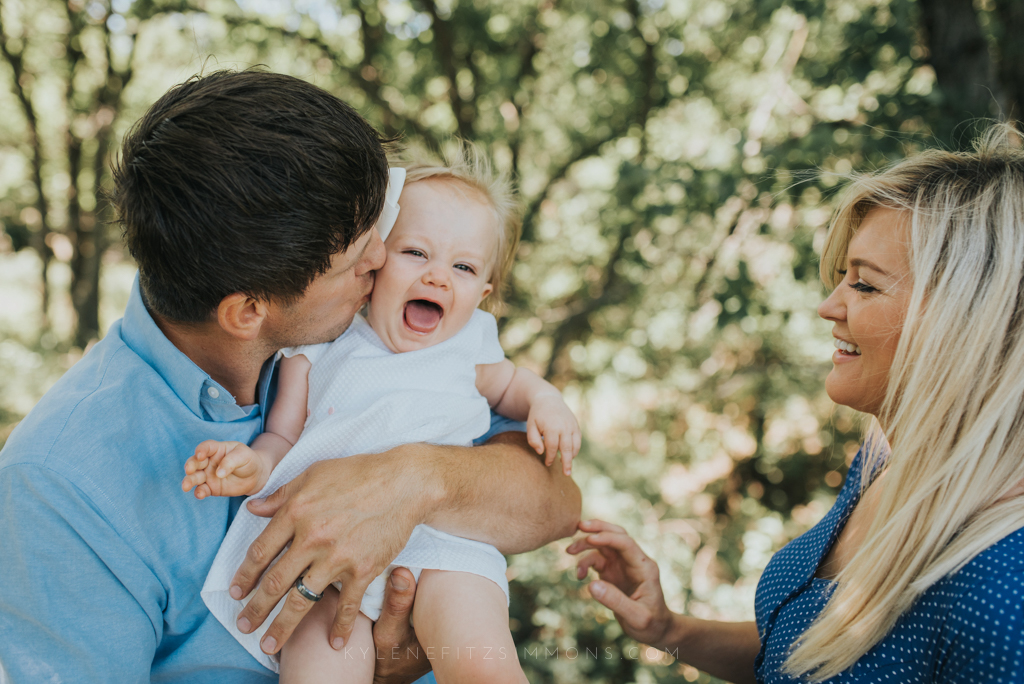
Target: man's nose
375,254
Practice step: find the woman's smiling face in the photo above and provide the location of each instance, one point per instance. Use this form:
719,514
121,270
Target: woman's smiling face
868,309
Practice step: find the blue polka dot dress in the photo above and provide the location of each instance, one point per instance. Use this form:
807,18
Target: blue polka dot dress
968,627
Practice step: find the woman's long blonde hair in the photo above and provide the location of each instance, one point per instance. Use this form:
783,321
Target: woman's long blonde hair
953,413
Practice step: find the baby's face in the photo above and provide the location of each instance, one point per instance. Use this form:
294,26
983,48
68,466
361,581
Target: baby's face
440,255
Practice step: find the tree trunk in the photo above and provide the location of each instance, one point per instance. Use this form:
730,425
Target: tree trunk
960,55
1011,57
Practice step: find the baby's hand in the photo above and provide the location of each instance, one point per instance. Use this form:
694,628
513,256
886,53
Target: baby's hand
224,469
551,428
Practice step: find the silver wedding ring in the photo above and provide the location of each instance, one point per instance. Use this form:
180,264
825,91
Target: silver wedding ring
306,593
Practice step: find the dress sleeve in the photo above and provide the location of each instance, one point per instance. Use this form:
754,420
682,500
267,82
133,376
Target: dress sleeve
490,347
981,640
82,607
310,351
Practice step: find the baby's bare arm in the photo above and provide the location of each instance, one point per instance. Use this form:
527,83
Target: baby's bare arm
520,394
287,416
234,469
510,390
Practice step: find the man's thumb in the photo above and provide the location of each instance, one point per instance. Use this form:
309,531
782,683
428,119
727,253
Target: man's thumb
398,596
266,508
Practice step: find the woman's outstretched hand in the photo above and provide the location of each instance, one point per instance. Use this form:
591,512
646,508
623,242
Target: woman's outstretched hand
630,584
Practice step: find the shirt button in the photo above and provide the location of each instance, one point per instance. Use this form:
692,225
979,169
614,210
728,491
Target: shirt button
212,391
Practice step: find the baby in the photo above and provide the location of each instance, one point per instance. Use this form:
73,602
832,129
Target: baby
424,366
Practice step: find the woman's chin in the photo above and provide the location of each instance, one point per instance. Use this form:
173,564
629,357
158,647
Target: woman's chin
844,395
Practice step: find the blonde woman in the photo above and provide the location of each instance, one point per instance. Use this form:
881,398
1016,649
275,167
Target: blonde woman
917,573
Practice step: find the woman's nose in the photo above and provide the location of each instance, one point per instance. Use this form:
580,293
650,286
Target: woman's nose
833,308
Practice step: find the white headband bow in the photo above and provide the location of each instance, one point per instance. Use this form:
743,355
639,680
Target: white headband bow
396,180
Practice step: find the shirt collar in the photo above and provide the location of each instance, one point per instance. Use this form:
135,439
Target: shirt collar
194,387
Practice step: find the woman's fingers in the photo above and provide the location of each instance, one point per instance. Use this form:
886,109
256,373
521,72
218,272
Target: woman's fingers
599,526
584,544
632,613
624,544
595,560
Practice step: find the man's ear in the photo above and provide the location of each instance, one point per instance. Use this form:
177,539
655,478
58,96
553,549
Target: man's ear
241,316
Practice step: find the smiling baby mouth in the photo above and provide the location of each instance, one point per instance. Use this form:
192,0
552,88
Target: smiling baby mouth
847,347
422,316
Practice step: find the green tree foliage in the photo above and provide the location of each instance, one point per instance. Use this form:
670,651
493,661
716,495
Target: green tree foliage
676,161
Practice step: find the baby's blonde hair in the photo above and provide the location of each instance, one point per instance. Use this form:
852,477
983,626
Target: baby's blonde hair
463,163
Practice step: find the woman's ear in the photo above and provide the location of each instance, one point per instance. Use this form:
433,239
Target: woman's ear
241,316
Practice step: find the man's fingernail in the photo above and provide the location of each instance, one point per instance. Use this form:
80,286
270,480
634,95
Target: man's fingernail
597,589
236,592
243,625
269,644
337,643
399,582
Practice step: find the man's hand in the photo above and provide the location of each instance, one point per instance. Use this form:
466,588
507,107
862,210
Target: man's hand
346,519
400,659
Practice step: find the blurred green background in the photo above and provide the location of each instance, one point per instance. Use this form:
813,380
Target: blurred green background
677,161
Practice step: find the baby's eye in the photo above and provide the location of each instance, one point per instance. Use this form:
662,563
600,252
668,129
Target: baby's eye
465,267
414,252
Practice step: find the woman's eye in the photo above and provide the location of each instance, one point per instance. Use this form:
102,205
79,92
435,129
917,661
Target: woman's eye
861,286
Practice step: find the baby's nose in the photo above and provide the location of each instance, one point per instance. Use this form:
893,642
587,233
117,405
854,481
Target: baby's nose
438,276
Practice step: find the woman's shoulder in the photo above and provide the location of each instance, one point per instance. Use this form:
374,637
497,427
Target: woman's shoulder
980,634
994,576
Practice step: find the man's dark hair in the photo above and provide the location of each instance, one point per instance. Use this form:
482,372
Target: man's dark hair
244,182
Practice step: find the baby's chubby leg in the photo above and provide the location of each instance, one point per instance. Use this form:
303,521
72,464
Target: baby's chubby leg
461,621
307,657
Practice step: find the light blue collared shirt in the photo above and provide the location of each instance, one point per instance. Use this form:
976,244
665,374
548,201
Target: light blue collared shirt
102,556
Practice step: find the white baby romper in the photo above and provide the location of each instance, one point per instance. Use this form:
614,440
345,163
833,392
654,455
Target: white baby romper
364,398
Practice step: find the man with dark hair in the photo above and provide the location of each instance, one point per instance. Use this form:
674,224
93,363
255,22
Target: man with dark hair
248,201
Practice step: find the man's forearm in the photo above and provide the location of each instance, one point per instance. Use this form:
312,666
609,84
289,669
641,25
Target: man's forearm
500,493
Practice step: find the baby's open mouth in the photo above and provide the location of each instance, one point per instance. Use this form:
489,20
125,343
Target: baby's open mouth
422,316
